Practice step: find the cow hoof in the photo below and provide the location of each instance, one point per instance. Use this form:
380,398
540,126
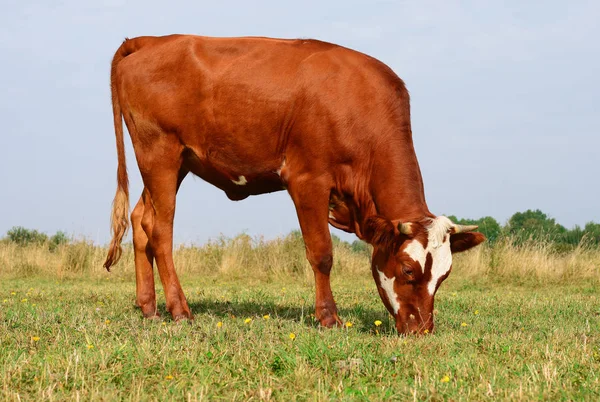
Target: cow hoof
183,317
331,321
328,317
152,316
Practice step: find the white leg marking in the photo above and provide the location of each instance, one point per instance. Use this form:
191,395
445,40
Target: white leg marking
241,181
387,285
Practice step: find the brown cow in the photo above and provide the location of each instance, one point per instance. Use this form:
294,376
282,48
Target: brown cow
257,115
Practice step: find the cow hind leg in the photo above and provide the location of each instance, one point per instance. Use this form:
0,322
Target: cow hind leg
144,257
161,180
312,206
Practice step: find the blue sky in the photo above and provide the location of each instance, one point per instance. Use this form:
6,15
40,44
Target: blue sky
505,105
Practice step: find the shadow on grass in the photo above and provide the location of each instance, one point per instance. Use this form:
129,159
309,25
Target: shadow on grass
252,309
363,317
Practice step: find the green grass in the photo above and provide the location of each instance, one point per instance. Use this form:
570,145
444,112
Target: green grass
517,342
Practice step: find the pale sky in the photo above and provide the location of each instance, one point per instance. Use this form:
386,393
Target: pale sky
505,105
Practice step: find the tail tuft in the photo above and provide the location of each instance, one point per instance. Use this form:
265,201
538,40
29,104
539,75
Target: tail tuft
120,225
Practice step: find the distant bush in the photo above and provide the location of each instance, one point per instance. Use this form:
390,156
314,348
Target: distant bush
487,225
58,239
25,237
534,225
361,247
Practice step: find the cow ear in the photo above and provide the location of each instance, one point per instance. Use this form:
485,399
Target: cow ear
463,241
379,230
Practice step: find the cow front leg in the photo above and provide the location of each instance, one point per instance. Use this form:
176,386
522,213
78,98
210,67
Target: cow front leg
311,200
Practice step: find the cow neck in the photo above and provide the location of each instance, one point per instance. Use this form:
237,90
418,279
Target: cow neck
396,188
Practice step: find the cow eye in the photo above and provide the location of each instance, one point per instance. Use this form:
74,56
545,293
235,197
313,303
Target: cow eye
407,270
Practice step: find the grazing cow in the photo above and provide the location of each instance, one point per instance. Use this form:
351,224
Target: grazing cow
258,115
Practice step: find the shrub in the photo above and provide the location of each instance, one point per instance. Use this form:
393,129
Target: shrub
487,225
534,225
23,236
58,239
361,247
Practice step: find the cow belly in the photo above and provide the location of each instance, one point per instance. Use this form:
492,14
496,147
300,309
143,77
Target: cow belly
237,180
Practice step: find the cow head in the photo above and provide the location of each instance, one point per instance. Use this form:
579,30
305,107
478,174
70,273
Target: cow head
411,260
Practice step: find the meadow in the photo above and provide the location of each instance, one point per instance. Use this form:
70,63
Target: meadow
512,322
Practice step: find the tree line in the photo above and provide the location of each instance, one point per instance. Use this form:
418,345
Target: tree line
531,225
535,225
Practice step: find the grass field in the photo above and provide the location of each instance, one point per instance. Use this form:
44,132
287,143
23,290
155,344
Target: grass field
77,335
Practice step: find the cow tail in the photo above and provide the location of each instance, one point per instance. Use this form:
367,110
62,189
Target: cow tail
120,208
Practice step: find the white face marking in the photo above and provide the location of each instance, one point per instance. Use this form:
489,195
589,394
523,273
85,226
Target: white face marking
416,251
442,261
241,181
438,244
387,284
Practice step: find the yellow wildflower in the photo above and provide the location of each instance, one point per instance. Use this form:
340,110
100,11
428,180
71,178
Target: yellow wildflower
248,320
292,336
13,293
266,316
445,379
169,377
348,324
377,323
90,346
464,324
426,331
476,312
35,338
107,322
219,324
23,300
5,301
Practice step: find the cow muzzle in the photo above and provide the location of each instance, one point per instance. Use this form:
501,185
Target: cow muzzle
412,324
